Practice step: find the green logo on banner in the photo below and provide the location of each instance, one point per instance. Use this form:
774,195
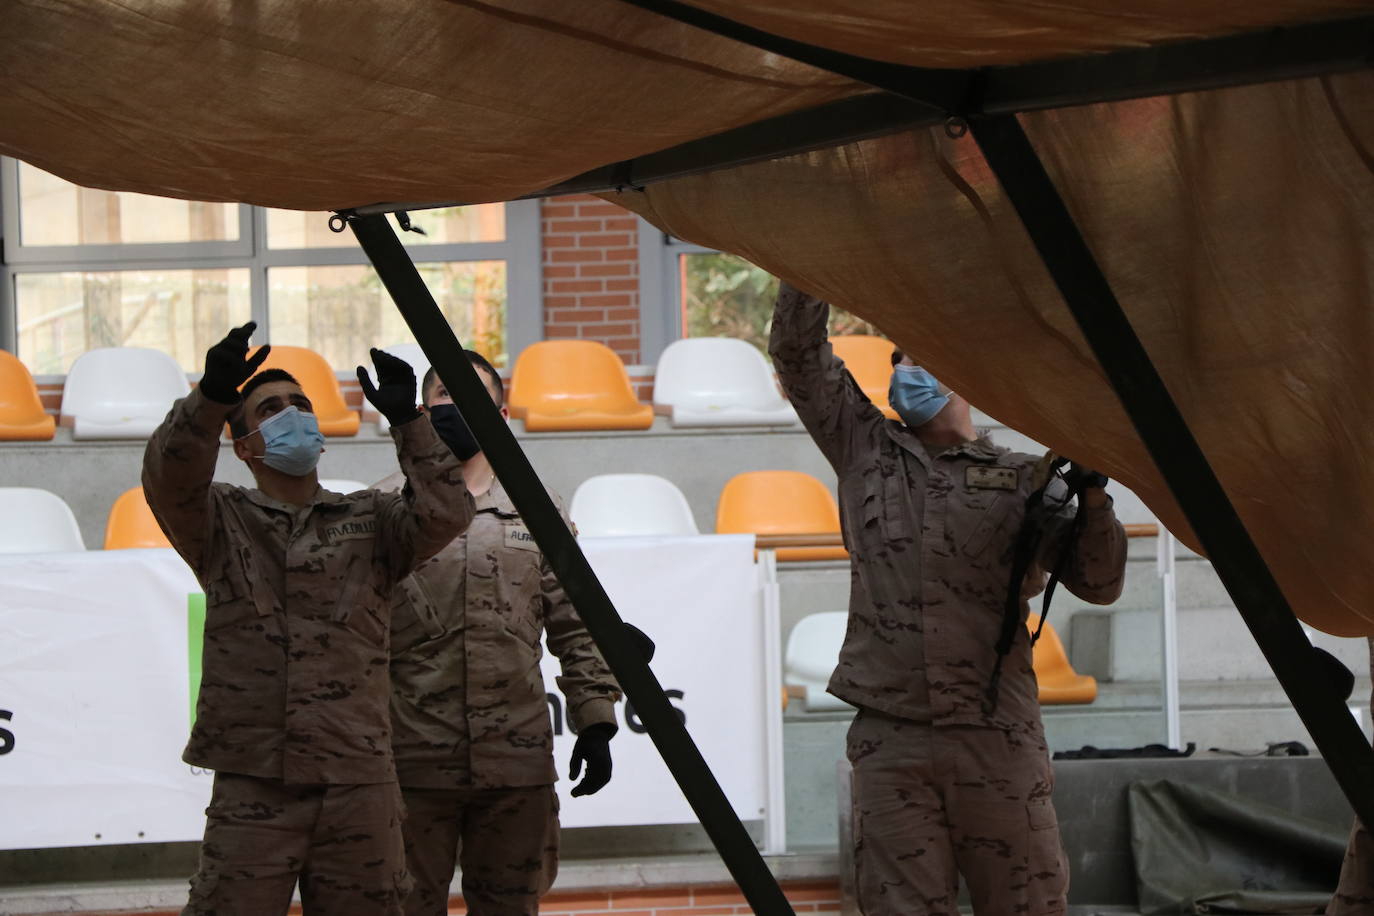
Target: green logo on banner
195,642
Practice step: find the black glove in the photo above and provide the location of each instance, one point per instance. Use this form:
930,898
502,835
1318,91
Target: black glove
1083,478
394,395
227,365
594,747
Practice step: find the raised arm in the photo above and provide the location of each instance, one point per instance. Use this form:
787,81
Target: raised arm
434,506
1096,571
830,403
179,461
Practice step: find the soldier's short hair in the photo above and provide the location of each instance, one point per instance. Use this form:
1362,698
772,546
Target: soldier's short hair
238,421
478,360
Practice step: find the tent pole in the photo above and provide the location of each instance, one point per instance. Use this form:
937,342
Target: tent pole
560,548
1178,456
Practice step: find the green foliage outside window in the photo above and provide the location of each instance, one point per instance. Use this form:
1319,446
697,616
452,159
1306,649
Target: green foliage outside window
725,296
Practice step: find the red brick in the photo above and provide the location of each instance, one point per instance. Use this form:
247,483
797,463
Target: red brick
610,300
561,330
577,286
605,240
574,225
717,895
627,223
574,316
553,302
622,254
628,285
577,900
629,314
555,271
581,254
598,207
552,210
617,269
560,241
613,330
666,897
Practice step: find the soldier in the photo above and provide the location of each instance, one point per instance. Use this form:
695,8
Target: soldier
946,780
1355,892
473,740
292,713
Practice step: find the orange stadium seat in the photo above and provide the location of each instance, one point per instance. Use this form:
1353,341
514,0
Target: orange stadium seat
869,360
131,523
574,384
780,502
317,378
1059,683
22,417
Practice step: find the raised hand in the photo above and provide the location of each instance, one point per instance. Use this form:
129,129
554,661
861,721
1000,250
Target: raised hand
394,393
227,365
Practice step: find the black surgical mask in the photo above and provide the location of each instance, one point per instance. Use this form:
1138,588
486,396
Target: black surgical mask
453,429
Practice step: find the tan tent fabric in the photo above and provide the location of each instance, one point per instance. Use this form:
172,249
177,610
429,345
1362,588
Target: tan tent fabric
979,33
321,104
1236,226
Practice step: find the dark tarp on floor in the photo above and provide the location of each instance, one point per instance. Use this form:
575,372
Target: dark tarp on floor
1198,850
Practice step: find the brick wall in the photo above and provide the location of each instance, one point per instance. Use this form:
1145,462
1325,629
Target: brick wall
591,273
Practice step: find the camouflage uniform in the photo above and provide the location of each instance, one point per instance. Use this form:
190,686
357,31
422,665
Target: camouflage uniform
473,737
292,712
1355,892
939,784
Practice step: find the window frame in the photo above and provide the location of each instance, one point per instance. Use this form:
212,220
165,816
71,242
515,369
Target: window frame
520,250
660,288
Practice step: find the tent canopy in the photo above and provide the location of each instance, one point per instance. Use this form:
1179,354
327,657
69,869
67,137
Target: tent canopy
1235,224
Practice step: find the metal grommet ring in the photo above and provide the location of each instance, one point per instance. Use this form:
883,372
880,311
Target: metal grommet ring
338,223
955,128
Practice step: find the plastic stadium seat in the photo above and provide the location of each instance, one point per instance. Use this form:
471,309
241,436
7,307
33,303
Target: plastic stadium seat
1059,683
869,360
780,502
317,378
412,354
574,384
340,485
718,381
813,648
120,392
618,505
36,521
22,417
131,523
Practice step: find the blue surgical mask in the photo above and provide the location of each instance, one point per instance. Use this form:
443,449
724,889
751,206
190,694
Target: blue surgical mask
292,440
915,395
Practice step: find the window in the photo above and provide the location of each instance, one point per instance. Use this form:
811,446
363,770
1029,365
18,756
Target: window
87,268
690,291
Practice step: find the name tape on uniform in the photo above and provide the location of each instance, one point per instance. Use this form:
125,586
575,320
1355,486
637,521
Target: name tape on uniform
982,477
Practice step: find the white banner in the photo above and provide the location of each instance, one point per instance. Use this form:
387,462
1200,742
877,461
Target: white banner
95,681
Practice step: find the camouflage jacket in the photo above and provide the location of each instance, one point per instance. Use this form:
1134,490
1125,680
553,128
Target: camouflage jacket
298,599
468,701
930,540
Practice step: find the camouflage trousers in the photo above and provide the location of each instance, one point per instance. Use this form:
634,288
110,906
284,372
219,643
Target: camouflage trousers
1355,892
506,841
931,803
343,843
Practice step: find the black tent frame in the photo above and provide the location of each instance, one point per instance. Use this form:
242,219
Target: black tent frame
984,101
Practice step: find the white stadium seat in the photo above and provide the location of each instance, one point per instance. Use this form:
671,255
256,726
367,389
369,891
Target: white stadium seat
623,505
36,521
339,485
813,648
718,381
412,354
120,392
